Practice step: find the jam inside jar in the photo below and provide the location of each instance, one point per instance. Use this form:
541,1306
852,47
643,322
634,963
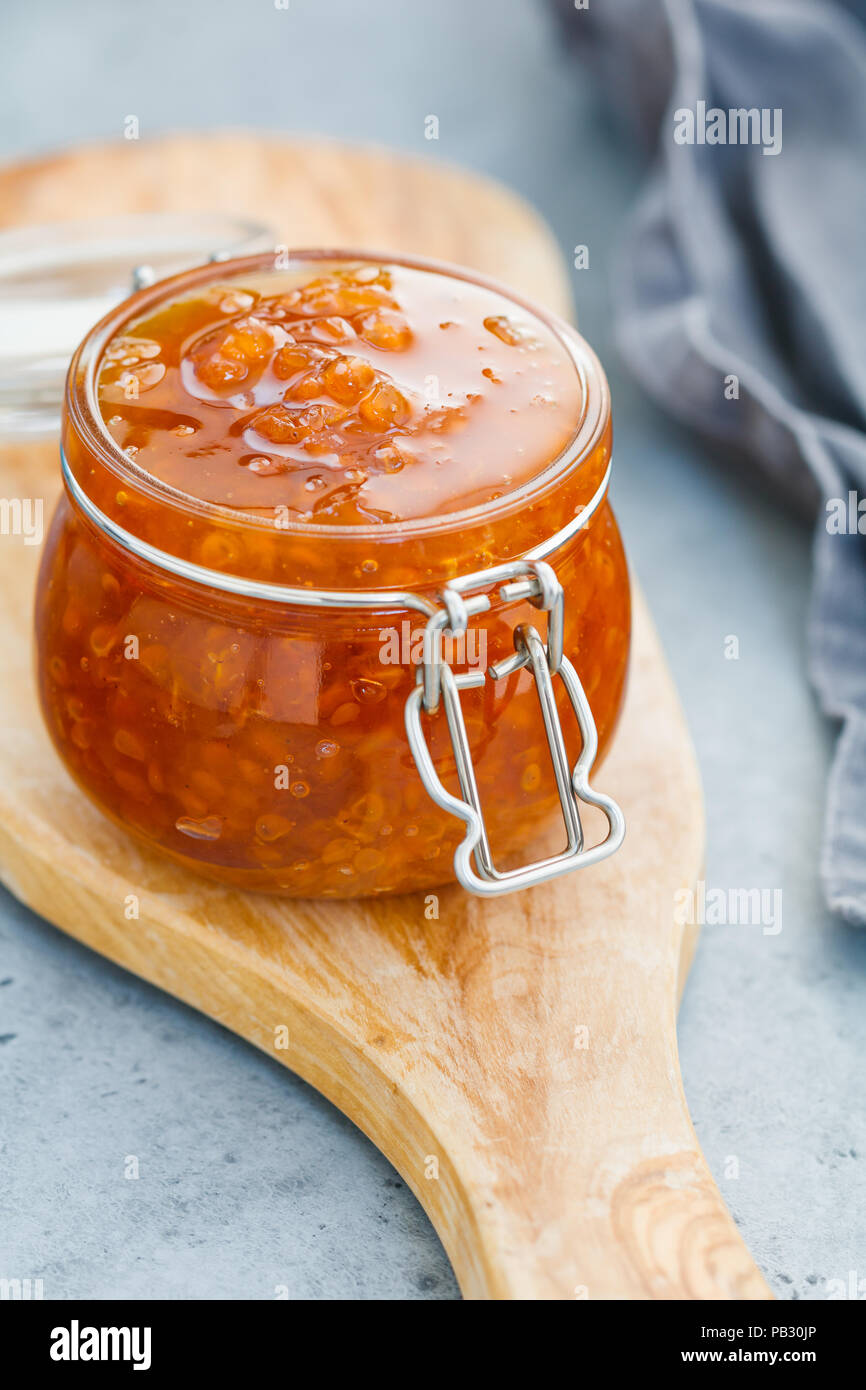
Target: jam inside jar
338,425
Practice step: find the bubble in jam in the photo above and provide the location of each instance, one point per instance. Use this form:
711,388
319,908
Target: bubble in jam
200,828
329,393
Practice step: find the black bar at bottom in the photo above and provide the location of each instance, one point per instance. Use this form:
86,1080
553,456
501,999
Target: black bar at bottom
150,1338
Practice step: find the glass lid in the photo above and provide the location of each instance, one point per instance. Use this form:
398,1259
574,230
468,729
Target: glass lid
57,281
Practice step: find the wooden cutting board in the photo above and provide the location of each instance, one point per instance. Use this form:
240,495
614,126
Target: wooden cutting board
516,1059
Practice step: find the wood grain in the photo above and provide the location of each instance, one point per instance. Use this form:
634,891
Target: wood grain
516,1059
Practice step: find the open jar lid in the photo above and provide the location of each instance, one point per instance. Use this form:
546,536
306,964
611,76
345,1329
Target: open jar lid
57,281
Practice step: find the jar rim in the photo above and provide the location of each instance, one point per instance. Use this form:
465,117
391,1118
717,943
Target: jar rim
272,592
85,417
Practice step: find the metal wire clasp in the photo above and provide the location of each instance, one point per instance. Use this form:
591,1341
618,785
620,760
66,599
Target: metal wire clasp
518,581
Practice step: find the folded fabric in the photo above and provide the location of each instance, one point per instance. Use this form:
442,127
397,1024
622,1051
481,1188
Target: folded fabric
741,293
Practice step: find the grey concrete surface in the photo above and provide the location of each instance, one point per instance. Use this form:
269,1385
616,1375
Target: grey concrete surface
249,1180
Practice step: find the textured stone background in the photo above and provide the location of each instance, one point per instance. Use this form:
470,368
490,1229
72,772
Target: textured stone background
248,1179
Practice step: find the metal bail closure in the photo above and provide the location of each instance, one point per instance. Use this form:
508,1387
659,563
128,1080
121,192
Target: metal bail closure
536,581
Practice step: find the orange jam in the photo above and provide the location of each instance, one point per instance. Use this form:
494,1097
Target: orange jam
340,424
364,394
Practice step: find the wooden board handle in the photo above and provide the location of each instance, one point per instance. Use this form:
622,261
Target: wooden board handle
550,1226
542,1124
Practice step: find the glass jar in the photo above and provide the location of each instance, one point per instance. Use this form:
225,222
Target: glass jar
258,699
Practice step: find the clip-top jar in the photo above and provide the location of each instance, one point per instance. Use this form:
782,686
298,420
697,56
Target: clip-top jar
334,602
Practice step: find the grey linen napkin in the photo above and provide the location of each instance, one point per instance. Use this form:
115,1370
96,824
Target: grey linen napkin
751,265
